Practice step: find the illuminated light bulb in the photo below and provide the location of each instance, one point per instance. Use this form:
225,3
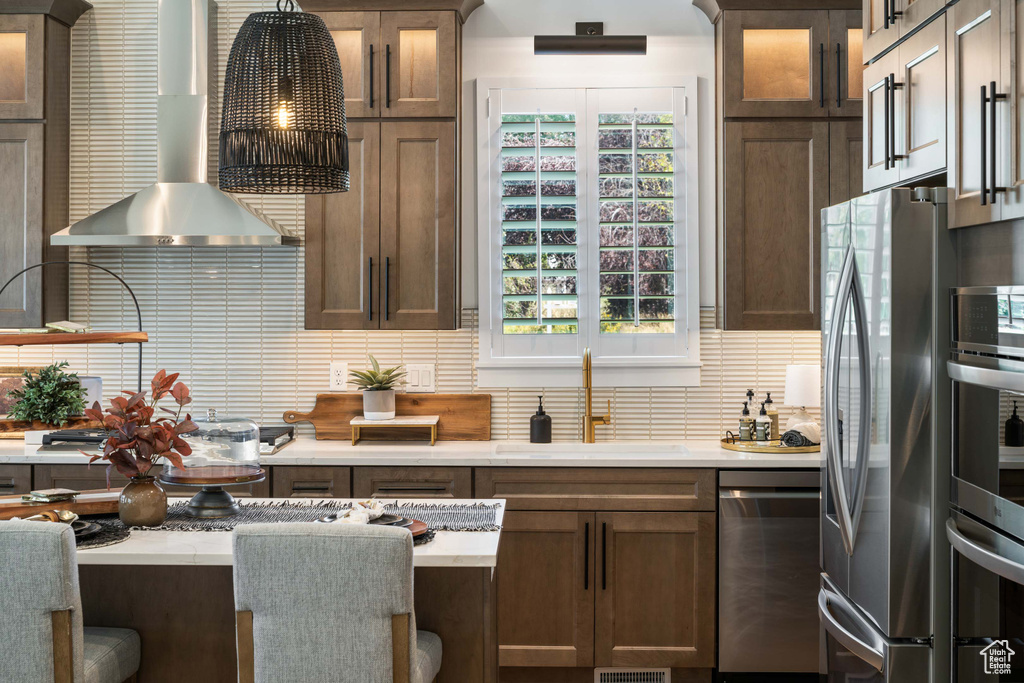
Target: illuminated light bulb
283,115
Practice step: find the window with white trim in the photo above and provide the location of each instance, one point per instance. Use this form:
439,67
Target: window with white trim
588,235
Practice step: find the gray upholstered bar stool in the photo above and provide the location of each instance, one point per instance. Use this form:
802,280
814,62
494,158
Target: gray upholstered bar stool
41,634
328,603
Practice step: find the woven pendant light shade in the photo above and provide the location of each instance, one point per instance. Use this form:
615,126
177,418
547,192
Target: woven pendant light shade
283,124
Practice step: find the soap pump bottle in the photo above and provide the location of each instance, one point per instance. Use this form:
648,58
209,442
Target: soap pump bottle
773,415
763,425
540,424
746,424
1014,429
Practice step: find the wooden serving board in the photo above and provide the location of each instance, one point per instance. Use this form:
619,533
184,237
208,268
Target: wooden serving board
464,417
97,502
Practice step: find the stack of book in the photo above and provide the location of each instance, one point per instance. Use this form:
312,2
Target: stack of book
50,496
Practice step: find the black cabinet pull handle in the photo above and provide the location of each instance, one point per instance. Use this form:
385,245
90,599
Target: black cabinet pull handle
821,75
369,288
893,14
984,145
413,487
604,555
839,75
893,87
371,75
387,76
885,94
310,486
387,287
994,187
586,556
885,13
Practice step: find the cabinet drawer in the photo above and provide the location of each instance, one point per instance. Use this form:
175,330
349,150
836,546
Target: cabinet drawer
312,482
15,479
77,477
543,488
412,482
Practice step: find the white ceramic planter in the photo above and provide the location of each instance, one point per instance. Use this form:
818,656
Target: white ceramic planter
379,405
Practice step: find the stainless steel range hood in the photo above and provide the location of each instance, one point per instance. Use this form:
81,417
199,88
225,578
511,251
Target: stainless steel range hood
181,209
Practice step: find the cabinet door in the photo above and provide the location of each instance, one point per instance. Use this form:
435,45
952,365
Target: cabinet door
921,102
21,222
15,479
776,184
846,161
880,129
343,242
546,582
417,234
916,12
973,35
420,63
412,482
311,482
845,57
775,63
357,37
880,31
22,65
1013,75
655,605
77,477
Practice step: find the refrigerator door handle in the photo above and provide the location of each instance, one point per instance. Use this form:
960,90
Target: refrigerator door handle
849,293
983,556
873,652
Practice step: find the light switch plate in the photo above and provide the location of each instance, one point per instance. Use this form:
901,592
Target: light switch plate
339,375
421,378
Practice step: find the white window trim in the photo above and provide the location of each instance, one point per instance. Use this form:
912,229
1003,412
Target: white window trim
565,371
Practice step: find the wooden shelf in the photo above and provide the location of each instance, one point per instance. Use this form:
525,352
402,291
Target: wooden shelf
57,338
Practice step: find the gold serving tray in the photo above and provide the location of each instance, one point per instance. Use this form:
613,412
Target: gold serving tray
767,447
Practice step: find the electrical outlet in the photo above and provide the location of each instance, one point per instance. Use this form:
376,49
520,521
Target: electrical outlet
339,375
421,378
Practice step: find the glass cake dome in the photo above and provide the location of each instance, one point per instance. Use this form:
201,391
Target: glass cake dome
223,441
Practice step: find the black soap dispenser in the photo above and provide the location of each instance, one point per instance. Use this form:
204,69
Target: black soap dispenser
540,424
1014,429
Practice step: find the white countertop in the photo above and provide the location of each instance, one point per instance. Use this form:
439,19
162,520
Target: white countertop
306,451
213,548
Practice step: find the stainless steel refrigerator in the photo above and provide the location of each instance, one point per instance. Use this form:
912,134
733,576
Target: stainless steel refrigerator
885,271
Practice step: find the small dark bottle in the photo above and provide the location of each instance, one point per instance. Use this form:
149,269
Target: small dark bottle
1014,429
540,424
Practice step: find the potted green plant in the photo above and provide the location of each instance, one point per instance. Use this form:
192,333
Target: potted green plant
378,387
138,440
51,396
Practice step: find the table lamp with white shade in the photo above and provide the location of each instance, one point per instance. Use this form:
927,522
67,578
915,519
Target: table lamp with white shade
803,390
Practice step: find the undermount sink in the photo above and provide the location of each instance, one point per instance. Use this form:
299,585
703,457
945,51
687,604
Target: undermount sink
616,449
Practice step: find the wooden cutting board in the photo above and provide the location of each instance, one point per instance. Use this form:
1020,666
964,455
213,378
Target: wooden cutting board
464,417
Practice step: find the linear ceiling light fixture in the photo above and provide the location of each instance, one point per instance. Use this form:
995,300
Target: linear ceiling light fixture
590,40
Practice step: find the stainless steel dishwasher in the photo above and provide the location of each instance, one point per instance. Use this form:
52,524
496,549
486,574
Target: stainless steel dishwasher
768,571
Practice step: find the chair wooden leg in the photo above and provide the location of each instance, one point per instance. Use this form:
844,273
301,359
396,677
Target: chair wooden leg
400,658
246,649
63,664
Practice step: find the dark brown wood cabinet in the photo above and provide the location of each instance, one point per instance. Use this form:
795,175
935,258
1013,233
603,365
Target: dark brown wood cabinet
776,184
310,482
604,567
382,255
846,161
412,482
791,63
15,479
652,610
35,65
546,583
397,64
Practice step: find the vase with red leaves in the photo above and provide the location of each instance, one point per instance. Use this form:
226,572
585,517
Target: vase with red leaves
139,438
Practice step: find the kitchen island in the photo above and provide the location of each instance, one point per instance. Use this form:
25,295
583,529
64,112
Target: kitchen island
175,589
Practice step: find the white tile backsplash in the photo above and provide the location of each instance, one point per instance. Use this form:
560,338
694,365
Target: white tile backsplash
230,321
